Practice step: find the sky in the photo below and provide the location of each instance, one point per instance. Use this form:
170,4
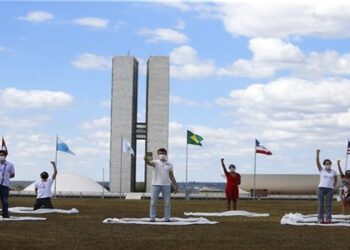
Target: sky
239,70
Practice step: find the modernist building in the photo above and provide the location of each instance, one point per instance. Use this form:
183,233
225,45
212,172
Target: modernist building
124,122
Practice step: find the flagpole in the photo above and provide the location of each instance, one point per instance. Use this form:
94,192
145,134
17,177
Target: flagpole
56,165
254,169
186,191
103,183
346,158
120,170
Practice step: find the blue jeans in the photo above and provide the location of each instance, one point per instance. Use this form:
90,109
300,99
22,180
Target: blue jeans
321,194
155,190
4,195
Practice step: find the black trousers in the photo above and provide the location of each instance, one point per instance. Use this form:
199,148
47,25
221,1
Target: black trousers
4,196
43,203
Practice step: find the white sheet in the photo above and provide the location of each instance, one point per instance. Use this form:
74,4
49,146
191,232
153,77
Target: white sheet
15,218
228,213
29,210
298,219
175,221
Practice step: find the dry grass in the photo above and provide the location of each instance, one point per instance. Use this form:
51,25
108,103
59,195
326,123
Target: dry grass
86,230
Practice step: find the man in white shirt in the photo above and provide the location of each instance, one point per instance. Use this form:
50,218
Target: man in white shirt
162,180
43,189
7,171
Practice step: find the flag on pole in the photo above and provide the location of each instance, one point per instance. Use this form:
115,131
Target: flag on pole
127,147
348,147
261,149
193,138
3,146
61,146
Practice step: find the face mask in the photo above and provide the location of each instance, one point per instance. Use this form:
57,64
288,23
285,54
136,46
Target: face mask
162,157
232,170
328,167
2,157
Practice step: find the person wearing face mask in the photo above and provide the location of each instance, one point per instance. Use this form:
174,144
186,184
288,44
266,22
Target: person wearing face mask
162,180
43,189
7,171
233,180
328,180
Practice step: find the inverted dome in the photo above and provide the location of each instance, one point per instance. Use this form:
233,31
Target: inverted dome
68,182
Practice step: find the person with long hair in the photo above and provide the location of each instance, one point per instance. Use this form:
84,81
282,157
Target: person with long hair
328,180
344,190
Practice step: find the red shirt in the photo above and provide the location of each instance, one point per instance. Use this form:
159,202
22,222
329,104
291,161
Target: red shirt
233,180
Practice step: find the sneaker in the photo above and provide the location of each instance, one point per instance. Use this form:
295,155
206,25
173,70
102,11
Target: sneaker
167,220
152,220
5,216
327,222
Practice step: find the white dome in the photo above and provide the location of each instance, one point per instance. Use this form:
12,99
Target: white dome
68,182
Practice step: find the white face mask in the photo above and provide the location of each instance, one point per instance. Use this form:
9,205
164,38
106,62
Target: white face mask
2,157
232,170
162,157
328,167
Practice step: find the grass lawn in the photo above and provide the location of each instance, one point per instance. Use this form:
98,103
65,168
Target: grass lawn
86,230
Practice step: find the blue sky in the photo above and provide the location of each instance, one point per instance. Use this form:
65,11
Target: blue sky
240,70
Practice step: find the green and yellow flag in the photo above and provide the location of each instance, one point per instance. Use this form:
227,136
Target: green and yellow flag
193,138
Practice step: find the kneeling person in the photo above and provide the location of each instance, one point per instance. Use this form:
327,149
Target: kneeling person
43,189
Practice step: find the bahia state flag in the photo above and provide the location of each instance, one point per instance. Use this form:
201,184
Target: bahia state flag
194,139
61,146
261,149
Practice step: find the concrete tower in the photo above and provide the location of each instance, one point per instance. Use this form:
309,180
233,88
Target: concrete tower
124,118
157,108
123,123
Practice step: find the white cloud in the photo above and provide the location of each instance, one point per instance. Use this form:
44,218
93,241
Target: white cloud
286,19
15,98
37,16
87,61
103,122
93,22
179,4
23,123
167,35
186,64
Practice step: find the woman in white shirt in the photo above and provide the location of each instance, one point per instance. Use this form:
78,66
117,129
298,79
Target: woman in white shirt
328,180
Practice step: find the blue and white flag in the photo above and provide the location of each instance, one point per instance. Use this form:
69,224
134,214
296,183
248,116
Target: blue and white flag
61,146
127,147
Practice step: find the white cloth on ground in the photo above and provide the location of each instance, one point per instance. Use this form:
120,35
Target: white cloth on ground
29,210
174,221
15,218
228,213
298,219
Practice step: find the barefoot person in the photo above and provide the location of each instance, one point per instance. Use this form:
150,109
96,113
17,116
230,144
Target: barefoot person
162,180
43,189
344,189
7,171
233,180
328,180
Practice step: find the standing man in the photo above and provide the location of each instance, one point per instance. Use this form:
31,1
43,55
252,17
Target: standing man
7,171
162,180
43,189
233,180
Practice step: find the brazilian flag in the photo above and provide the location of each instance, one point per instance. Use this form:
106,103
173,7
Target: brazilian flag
193,138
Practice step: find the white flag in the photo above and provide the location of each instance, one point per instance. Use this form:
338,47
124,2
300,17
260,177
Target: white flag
127,147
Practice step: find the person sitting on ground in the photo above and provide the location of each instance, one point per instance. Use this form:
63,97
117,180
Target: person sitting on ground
233,180
43,189
344,189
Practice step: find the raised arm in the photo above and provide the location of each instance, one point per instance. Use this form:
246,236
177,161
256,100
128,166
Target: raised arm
148,162
54,170
339,168
318,164
223,165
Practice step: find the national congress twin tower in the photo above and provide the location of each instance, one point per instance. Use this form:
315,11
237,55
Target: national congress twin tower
124,122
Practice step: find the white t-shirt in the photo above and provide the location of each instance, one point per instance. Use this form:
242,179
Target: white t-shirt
327,178
161,173
6,170
44,188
